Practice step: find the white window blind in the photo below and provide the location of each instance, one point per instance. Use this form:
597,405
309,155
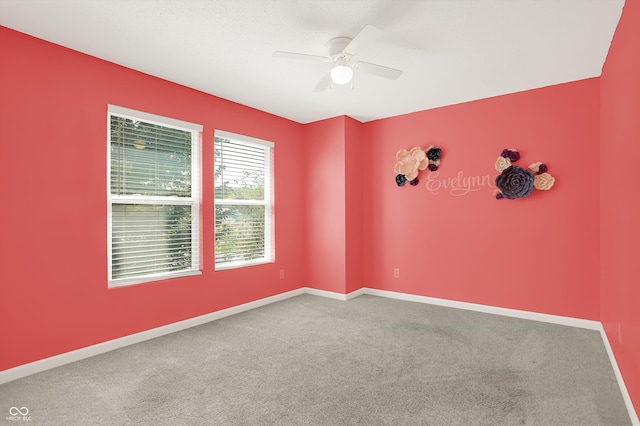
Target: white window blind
243,176
154,184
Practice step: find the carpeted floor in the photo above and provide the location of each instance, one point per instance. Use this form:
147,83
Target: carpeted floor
309,360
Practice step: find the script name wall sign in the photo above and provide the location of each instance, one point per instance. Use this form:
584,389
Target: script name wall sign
459,184
513,181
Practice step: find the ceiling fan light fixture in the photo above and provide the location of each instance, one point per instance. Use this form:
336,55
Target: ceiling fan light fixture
343,52
341,74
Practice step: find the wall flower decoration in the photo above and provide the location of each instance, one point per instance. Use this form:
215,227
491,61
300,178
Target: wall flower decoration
517,182
511,154
544,181
433,153
502,163
410,163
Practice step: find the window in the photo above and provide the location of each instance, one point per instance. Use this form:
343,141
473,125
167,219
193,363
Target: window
153,197
243,197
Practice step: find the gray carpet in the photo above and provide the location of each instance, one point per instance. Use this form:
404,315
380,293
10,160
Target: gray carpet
310,360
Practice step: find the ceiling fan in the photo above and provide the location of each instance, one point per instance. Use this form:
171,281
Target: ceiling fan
342,53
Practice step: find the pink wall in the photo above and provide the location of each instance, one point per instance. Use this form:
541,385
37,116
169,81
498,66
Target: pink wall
325,238
357,160
620,198
53,250
337,160
458,242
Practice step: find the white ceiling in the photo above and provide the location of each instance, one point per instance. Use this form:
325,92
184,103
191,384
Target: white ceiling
451,51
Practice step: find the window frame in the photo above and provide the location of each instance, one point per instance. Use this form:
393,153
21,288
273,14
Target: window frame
135,199
268,201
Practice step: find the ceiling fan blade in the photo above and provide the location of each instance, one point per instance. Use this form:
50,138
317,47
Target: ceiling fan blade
300,56
365,37
379,70
323,84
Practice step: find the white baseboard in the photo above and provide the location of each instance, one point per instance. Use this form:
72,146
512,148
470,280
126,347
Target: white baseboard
89,351
355,293
333,294
535,316
623,388
325,293
100,348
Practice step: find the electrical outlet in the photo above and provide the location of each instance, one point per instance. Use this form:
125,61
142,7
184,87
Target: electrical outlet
282,274
396,273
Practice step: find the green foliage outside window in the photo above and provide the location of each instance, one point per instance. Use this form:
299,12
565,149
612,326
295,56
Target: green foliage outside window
239,224
153,161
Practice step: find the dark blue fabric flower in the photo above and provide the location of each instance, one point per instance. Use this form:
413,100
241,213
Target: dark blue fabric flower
401,180
515,182
434,154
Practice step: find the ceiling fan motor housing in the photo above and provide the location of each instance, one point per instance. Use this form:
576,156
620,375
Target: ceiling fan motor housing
336,48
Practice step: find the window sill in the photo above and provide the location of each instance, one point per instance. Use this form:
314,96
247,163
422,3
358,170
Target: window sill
124,282
243,264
